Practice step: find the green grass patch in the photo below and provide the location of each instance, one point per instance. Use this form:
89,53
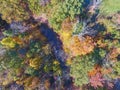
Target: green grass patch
110,6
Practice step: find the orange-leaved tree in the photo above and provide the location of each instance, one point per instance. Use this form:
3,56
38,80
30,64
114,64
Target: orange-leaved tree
81,46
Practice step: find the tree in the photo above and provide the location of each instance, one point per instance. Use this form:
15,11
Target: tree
97,80
12,11
67,8
109,38
77,28
34,6
8,42
85,66
8,33
114,74
81,46
35,63
80,68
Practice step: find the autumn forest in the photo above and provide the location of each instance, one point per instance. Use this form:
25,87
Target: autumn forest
59,44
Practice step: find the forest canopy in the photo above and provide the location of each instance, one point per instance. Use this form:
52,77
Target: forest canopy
60,44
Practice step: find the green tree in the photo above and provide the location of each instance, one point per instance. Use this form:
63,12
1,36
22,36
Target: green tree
80,68
67,8
34,6
8,33
12,59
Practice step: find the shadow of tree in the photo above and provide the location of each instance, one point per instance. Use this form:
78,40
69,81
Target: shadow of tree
58,52
55,43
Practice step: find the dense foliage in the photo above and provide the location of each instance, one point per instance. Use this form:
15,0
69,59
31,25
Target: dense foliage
67,8
59,44
12,10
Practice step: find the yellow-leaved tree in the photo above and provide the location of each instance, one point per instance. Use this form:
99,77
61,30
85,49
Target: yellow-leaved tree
35,62
8,42
81,46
